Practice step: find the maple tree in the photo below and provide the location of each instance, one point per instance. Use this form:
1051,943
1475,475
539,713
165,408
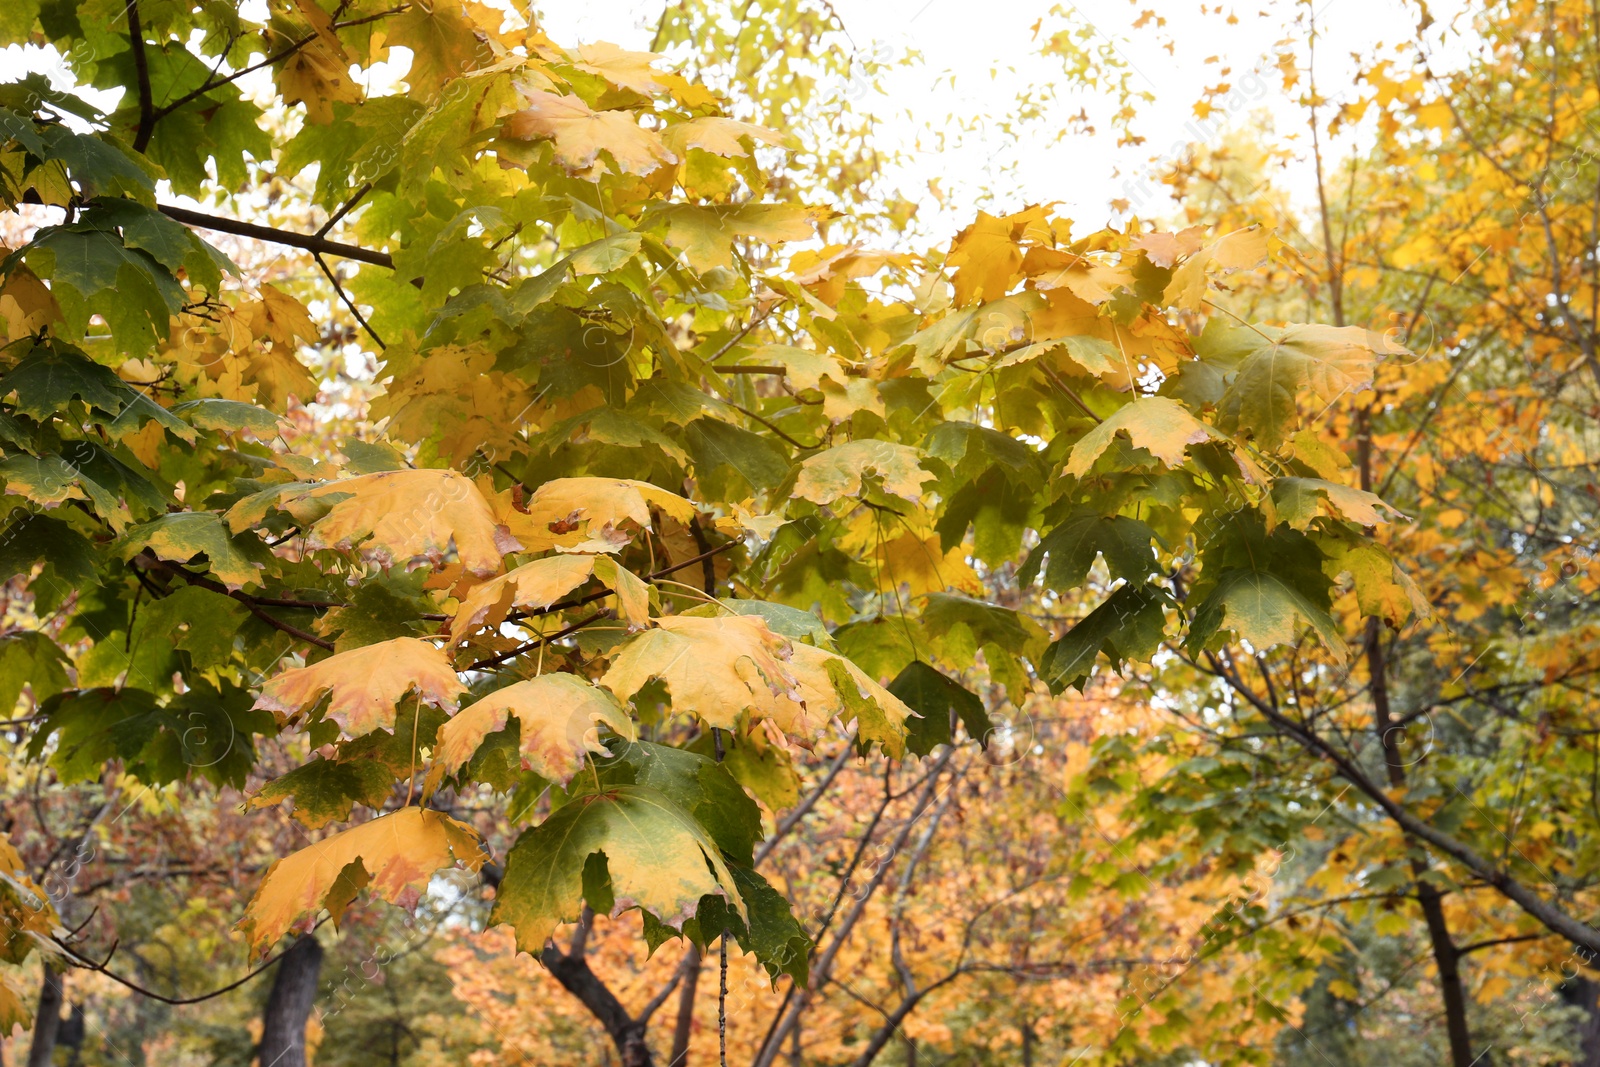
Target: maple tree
630,522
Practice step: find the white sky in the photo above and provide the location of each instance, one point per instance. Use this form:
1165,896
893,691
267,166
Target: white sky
979,55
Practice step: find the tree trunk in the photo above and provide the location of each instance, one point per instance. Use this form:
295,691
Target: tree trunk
1446,957
48,1020
294,992
1584,993
70,1035
626,1032
684,1027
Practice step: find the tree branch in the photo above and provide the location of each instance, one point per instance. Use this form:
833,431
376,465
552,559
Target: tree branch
308,242
141,69
87,964
349,303
149,560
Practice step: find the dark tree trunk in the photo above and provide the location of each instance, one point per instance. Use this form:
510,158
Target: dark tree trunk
70,1035
47,1023
1584,993
1446,956
627,1033
684,1027
294,991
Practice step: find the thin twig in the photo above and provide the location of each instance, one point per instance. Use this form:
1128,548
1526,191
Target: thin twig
87,964
349,303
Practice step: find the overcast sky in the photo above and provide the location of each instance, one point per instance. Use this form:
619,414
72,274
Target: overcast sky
980,55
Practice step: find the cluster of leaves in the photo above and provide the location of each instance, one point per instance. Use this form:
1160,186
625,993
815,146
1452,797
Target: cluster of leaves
598,380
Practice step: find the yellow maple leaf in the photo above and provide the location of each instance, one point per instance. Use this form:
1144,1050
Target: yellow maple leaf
1158,424
803,367
827,272
706,234
394,856
275,374
988,260
568,512
318,73
1091,280
580,134
559,718
620,67
714,668
444,45
409,517
1165,249
831,686
840,402
919,562
281,318
13,1013
719,136
27,917
365,685
26,304
838,471
537,585
1239,250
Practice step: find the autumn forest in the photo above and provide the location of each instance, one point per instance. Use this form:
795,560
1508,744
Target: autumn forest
782,533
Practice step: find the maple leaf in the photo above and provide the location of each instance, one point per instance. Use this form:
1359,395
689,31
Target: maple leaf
571,512
1093,281
236,561
828,271
624,69
706,234
1299,500
715,668
1382,589
405,517
720,136
580,134
839,471
1165,249
1158,424
830,685
657,858
326,790
1279,363
394,856
13,1013
533,586
1238,250
1265,609
444,45
28,920
366,684
1129,624
317,73
804,367
26,304
987,259
558,721
281,319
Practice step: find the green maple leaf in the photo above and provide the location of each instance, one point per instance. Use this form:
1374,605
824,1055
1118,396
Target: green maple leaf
936,697
1130,624
235,560
653,856
1066,553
